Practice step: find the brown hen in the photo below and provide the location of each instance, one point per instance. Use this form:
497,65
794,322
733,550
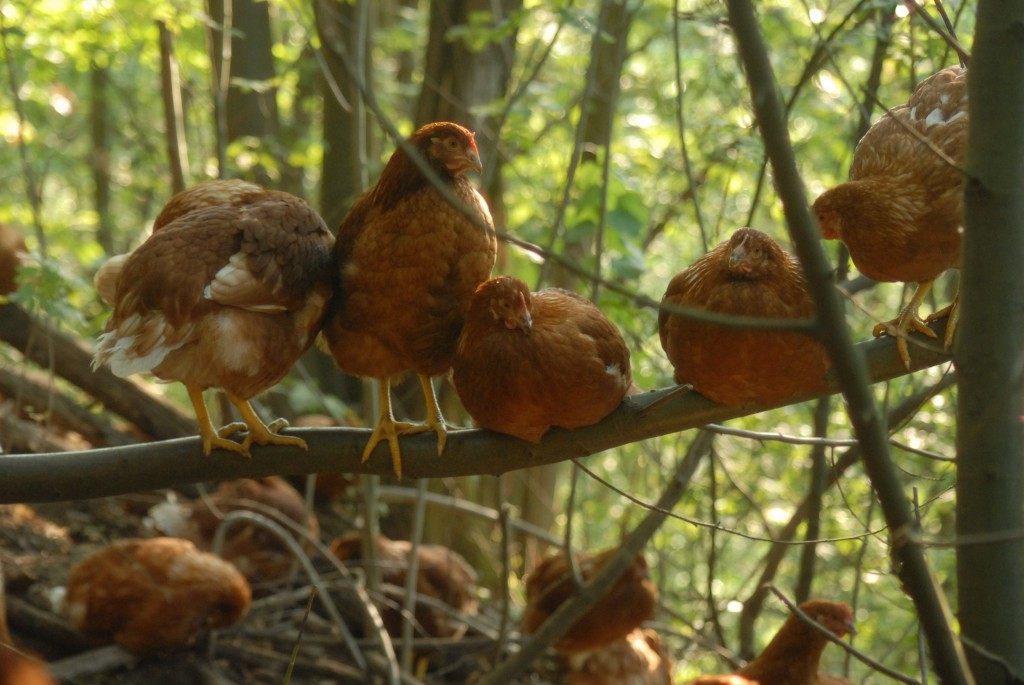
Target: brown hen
16,666
409,262
153,595
629,602
441,574
747,275
259,554
223,295
900,214
527,362
792,656
12,247
637,659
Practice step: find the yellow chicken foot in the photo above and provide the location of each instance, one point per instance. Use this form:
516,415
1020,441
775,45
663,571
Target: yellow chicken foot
435,421
953,312
259,432
389,429
211,439
907,320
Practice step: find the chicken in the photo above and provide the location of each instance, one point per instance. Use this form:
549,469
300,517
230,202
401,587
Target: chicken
526,362
154,595
16,666
442,574
900,214
261,556
629,602
409,262
12,246
637,659
747,275
792,656
223,296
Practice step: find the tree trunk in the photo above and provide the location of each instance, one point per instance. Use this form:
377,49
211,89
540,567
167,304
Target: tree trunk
250,105
990,433
99,80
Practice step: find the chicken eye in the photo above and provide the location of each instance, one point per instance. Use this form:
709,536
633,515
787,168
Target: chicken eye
451,143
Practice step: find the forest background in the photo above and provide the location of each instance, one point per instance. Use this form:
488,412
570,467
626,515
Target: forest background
616,134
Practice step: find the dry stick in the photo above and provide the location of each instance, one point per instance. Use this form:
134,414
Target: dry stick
505,526
860,656
71,360
121,470
575,607
174,114
681,126
411,571
815,492
950,662
918,10
298,638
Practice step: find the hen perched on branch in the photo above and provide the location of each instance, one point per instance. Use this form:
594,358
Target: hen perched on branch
900,214
409,262
530,361
227,292
747,275
793,655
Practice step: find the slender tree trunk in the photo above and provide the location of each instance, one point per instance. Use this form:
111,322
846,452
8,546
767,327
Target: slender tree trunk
174,111
250,105
98,116
990,350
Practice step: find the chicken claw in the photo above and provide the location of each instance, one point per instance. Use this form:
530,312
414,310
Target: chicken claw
260,433
953,312
389,429
211,438
907,320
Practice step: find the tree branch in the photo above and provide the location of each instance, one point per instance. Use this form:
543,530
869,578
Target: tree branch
119,470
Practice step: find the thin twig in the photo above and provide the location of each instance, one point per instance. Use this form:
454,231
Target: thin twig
298,638
411,571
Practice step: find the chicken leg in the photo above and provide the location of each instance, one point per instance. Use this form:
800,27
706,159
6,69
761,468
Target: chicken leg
953,312
209,435
907,320
389,429
257,431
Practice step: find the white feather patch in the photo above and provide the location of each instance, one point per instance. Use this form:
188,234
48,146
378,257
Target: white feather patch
235,285
934,117
236,350
117,348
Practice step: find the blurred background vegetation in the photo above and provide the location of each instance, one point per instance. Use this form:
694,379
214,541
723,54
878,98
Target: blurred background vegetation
616,132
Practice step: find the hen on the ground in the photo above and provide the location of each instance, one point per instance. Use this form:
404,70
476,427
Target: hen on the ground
155,594
408,263
529,361
794,653
747,275
228,291
637,659
900,214
630,601
442,574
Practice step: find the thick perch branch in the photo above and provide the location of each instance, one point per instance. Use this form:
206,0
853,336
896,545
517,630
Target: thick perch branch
119,470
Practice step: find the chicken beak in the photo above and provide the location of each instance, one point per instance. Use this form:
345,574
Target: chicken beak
470,161
850,628
737,256
524,320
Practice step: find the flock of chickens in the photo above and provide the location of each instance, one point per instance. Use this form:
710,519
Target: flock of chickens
236,282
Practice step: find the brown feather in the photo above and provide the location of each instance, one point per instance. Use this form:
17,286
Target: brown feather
735,365
12,246
631,600
570,369
409,263
154,595
637,659
900,212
